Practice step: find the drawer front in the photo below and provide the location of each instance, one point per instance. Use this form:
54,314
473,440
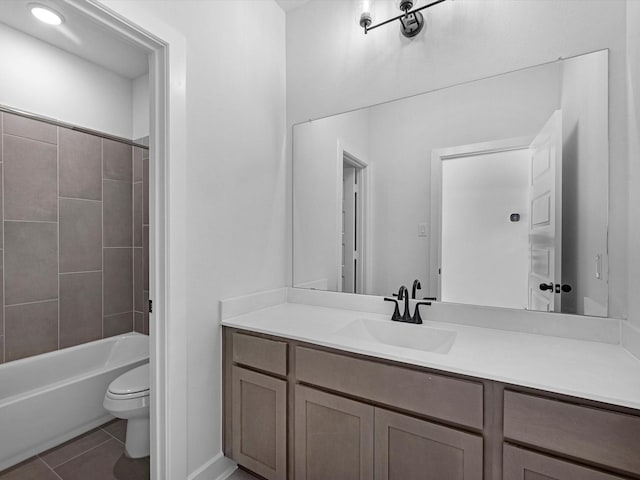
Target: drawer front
598,436
261,353
520,464
457,401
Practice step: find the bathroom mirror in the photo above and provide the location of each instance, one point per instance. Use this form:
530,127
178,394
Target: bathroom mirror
492,192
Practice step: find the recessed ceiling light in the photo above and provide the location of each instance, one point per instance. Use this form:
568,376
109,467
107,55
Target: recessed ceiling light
46,15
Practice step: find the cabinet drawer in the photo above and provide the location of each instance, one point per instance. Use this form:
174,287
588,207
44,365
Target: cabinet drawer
520,464
598,436
261,353
457,401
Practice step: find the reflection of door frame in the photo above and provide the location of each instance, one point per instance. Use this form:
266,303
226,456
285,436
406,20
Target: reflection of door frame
437,157
347,154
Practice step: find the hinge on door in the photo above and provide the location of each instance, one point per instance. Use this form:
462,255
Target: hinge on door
150,306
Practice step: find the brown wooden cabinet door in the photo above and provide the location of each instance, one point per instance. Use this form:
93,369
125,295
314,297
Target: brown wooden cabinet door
410,449
521,464
259,423
333,437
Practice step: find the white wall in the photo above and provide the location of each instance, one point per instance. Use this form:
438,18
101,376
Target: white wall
39,78
140,107
333,67
633,62
585,129
234,192
318,191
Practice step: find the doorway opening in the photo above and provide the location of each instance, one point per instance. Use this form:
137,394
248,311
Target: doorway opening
353,208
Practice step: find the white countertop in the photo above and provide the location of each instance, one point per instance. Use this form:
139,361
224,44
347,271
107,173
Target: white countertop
591,370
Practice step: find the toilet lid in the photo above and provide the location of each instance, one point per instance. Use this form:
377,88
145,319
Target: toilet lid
133,381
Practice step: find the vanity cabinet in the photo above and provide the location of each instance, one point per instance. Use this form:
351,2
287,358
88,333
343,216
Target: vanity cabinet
259,423
520,464
408,448
297,411
333,437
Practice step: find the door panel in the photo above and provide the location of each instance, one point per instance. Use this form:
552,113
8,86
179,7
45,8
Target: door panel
411,449
333,437
545,227
259,424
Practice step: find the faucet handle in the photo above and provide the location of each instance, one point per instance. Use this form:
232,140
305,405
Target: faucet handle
416,316
396,313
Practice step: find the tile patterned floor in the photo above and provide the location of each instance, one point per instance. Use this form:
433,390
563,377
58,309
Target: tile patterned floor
96,455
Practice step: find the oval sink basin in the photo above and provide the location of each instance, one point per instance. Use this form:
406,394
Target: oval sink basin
398,334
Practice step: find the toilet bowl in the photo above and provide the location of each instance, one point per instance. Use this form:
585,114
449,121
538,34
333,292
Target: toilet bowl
128,397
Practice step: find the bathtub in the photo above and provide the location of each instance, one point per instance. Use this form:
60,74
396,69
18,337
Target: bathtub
50,398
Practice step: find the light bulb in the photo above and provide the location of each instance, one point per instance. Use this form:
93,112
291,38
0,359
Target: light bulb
46,15
366,15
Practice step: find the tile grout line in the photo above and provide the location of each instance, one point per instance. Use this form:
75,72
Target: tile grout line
28,138
77,273
119,313
112,436
4,321
32,303
77,198
26,221
119,181
102,227
75,456
58,223
49,467
133,236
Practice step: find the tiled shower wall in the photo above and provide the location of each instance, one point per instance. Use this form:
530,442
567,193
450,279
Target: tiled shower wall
72,237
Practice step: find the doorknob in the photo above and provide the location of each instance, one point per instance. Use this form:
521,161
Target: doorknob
545,286
565,288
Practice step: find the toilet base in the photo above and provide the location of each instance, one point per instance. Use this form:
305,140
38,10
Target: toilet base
138,442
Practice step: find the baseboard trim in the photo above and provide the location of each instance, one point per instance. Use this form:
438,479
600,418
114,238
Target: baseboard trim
216,468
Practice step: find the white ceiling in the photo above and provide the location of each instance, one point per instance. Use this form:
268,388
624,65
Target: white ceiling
288,5
77,35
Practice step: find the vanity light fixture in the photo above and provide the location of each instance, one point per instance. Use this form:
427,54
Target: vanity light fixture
411,21
45,14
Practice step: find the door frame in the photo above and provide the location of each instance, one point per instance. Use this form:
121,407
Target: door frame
438,156
358,160
167,144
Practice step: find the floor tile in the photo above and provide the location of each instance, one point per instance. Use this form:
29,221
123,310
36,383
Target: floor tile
117,428
32,469
74,447
242,475
105,462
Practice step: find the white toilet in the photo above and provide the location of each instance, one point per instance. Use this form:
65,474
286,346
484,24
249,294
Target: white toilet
128,397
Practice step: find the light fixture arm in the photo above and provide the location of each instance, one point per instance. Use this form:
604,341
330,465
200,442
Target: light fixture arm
403,16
